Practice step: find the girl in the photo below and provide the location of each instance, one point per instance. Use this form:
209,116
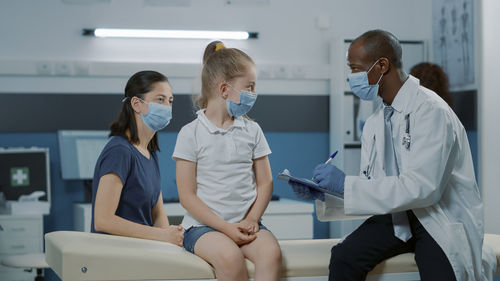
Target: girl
126,193
223,172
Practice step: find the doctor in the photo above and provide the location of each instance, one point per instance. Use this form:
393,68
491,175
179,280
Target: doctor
417,177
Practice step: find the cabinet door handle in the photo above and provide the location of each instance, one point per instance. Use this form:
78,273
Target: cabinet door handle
18,229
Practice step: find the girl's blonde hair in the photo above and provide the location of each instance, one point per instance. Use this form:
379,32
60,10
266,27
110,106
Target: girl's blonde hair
220,63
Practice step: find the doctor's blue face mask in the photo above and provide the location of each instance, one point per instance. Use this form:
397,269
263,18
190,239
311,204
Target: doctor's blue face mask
247,100
157,117
360,85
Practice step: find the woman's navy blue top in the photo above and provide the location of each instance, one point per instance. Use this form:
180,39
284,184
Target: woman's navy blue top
140,177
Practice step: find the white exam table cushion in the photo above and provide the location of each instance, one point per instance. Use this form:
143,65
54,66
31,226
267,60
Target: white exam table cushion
493,240
109,257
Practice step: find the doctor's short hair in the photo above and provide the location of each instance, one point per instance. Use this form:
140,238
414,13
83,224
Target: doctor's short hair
220,63
380,43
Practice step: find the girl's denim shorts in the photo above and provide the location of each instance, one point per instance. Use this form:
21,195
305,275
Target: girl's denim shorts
194,233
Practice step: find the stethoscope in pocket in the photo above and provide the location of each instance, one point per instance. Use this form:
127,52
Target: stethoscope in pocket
407,138
406,142
371,161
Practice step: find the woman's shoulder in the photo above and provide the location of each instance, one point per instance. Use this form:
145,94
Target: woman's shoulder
118,144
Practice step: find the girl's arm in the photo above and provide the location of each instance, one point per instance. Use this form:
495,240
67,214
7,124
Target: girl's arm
264,181
160,218
105,219
186,184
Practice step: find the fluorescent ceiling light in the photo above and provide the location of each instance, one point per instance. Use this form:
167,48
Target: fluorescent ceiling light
168,33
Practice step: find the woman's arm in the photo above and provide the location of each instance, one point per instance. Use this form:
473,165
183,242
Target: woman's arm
264,181
160,218
105,219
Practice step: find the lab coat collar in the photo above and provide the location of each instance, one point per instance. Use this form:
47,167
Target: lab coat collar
238,123
405,94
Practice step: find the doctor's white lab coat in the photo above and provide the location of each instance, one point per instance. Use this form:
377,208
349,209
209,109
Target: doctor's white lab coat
436,179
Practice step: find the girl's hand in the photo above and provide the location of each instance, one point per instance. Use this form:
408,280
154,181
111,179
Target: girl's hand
234,231
249,226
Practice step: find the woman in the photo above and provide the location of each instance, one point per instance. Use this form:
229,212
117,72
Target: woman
126,191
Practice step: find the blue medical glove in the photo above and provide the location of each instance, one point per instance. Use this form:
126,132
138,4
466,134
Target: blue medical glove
329,177
306,193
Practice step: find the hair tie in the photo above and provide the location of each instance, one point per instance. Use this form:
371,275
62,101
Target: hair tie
219,46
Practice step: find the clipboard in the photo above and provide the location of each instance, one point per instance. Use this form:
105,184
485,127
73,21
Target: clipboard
286,176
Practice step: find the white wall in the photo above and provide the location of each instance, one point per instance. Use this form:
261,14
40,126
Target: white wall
33,30
489,115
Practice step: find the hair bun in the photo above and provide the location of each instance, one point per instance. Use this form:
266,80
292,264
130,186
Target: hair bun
211,49
219,46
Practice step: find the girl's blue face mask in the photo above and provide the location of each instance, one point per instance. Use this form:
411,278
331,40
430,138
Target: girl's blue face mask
360,85
157,117
247,100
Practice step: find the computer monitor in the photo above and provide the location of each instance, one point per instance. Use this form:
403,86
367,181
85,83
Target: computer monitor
79,151
24,171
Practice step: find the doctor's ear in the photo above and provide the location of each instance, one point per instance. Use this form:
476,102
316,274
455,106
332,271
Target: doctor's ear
384,65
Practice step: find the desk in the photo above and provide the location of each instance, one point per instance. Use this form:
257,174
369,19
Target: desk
19,235
287,219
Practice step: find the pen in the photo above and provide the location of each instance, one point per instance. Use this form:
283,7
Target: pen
331,157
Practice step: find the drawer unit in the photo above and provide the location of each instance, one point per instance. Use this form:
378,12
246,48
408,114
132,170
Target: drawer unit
27,226
18,245
19,234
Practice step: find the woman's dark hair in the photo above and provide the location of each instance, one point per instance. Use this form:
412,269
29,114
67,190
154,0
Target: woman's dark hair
433,77
137,86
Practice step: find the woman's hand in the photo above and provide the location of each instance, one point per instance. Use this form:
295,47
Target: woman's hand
173,234
238,234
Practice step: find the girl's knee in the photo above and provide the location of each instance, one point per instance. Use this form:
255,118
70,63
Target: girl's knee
230,259
275,254
271,256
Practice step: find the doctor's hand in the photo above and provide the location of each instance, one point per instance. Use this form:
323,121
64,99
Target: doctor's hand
306,193
238,234
329,177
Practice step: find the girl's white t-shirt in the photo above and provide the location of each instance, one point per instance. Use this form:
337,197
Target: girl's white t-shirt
224,176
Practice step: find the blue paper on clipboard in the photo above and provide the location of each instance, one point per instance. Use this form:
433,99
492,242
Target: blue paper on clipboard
286,176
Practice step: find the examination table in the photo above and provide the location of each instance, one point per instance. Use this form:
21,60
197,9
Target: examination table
78,256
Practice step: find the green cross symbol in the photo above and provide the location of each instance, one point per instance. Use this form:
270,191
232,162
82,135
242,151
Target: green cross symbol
20,176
